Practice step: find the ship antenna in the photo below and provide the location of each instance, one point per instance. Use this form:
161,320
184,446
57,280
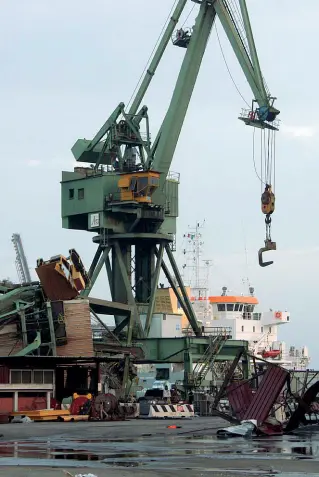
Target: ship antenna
246,279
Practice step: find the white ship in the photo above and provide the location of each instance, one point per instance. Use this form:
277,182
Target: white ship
236,315
241,315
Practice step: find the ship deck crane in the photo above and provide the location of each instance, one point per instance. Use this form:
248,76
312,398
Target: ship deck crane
133,206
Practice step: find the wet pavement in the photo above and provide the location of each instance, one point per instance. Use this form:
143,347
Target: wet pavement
150,448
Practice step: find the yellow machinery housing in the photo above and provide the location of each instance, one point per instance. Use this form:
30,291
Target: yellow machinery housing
268,201
138,186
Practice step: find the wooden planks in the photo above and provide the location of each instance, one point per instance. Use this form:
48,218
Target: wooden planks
78,329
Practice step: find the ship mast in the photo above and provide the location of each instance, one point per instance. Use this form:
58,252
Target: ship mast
195,275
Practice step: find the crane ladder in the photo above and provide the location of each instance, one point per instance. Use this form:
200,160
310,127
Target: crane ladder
204,365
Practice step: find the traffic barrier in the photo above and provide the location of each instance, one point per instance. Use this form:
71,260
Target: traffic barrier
171,410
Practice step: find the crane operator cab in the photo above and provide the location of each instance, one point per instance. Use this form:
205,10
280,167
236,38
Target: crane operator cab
138,186
182,37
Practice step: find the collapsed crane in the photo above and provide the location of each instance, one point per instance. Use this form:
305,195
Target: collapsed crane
21,260
129,197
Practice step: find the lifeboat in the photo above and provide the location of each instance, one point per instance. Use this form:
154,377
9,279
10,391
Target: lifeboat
270,354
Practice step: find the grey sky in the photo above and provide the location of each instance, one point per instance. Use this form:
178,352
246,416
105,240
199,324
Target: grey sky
67,64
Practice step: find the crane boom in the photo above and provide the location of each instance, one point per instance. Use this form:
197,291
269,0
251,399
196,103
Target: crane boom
167,138
165,144
132,204
157,57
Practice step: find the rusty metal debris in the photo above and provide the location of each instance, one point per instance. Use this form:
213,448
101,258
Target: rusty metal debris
270,403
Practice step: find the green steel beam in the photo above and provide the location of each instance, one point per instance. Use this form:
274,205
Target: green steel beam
23,327
31,347
243,58
167,137
131,300
51,327
95,272
95,260
135,129
106,126
82,146
157,56
252,46
171,350
109,275
151,305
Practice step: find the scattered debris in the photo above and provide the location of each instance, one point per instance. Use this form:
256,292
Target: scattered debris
244,429
78,475
21,420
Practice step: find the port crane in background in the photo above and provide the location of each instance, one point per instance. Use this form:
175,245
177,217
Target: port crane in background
127,194
21,260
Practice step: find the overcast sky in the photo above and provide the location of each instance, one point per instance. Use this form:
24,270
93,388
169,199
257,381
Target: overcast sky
67,64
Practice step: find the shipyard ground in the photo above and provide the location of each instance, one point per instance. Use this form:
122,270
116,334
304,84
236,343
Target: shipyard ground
149,448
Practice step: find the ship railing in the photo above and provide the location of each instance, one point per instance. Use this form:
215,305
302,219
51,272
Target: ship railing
173,176
226,332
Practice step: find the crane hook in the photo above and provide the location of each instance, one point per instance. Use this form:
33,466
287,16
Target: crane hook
269,245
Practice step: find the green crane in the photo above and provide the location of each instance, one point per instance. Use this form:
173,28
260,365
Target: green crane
128,196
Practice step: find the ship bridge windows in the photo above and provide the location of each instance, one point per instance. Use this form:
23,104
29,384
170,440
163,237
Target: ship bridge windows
248,312
230,307
238,307
249,308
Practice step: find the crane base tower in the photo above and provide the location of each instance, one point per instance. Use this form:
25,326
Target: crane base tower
135,240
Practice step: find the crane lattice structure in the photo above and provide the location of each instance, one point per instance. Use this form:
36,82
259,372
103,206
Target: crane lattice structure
127,195
21,260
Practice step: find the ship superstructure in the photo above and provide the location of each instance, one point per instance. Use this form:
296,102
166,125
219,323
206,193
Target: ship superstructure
235,315
238,314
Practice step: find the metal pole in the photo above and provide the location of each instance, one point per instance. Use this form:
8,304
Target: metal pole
95,260
51,327
23,328
109,275
96,272
105,326
151,305
135,318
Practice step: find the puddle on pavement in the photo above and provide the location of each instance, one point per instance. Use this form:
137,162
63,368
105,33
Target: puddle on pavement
134,452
